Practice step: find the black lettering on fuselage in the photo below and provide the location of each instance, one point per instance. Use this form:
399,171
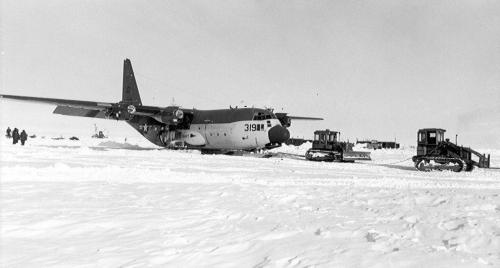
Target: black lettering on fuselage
254,127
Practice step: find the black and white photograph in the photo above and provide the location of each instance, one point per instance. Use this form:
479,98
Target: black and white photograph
250,133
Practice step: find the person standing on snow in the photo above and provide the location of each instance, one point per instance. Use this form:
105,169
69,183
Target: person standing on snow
24,137
8,133
15,136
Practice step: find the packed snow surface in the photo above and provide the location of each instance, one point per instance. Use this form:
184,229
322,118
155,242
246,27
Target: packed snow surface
117,203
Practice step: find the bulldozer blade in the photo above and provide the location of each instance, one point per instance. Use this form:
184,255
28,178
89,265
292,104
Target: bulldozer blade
484,162
357,156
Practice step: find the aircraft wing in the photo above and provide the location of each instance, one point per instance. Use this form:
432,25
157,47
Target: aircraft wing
119,111
286,120
68,107
304,118
285,115
62,102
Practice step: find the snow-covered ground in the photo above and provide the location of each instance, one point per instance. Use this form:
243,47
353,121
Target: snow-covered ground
107,203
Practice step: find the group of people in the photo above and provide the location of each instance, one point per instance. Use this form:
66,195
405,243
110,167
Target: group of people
16,136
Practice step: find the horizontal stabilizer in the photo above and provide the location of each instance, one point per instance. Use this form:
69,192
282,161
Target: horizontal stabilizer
66,110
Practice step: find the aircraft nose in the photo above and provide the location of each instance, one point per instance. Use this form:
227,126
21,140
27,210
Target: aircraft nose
278,134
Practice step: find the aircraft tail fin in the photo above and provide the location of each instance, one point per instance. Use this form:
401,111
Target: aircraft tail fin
130,93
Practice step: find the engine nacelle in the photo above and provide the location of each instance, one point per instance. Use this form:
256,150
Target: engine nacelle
120,112
170,117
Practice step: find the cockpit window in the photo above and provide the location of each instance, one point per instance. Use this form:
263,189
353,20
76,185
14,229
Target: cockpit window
263,116
258,116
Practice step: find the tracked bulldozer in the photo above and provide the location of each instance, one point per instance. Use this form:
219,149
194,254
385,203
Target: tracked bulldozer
327,147
436,153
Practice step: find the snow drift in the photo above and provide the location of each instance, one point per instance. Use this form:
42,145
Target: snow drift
111,203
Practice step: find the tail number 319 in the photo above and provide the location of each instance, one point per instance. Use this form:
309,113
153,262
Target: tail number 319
254,127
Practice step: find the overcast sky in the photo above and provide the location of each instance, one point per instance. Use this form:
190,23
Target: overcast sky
372,69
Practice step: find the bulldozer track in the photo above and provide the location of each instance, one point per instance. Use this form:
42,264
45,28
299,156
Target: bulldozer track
424,164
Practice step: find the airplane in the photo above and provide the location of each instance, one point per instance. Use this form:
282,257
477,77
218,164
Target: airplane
211,131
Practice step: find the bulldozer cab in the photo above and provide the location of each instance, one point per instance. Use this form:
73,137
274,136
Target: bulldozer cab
430,136
324,139
428,139
325,136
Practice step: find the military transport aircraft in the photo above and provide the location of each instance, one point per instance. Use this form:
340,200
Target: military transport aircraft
223,130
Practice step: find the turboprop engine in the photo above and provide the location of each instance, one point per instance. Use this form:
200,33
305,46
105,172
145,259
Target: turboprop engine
170,116
120,112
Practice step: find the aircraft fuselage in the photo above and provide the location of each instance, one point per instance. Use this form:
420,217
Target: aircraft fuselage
224,129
